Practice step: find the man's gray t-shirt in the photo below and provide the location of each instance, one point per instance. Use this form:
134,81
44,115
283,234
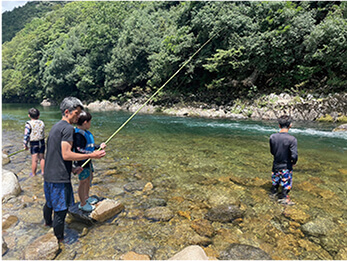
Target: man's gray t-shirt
57,170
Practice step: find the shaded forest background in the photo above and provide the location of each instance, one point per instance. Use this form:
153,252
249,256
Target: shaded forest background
119,50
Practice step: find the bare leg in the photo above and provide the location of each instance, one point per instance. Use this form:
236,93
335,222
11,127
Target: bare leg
34,158
42,162
82,189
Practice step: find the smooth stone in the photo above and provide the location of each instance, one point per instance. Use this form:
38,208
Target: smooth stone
203,227
45,247
8,220
224,213
243,252
106,209
4,247
190,253
318,227
159,214
342,127
10,184
135,186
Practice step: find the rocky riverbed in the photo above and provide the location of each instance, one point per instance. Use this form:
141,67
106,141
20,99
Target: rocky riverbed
228,216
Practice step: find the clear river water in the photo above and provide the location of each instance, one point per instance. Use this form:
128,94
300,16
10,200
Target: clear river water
194,165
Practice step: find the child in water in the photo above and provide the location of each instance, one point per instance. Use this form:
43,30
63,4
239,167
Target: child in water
283,147
34,133
84,143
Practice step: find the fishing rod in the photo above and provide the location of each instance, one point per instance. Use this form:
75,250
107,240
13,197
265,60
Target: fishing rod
150,98
14,153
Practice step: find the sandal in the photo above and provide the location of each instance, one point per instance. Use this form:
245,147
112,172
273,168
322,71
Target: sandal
92,200
87,207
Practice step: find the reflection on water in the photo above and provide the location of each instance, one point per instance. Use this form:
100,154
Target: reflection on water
189,161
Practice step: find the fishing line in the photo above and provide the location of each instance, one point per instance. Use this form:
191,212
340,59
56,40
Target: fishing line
150,98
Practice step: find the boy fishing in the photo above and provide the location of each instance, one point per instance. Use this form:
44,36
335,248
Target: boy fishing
283,147
84,143
34,133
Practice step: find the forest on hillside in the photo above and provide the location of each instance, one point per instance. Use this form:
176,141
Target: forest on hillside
117,50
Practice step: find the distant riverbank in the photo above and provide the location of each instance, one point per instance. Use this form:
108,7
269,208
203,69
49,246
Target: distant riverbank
331,108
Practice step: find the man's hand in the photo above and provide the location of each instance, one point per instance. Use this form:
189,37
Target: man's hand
103,145
97,154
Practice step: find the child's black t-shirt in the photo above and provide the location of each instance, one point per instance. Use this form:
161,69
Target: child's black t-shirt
284,148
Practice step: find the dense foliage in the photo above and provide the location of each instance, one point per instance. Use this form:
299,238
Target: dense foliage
116,50
14,21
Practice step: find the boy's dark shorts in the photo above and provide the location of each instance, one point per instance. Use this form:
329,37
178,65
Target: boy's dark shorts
37,147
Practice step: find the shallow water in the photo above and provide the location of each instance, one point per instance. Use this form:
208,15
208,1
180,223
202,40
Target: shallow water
190,162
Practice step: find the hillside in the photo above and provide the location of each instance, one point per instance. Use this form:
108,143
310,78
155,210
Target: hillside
119,50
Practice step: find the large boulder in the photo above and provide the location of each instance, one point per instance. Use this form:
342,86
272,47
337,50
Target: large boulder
243,252
10,184
342,127
106,209
45,247
190,253
224,213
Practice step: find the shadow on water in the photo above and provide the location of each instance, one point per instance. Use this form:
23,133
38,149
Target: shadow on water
194,165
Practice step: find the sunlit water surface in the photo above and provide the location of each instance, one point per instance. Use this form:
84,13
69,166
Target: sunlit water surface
190,158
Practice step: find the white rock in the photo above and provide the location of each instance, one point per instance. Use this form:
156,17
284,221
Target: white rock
190,253
10,184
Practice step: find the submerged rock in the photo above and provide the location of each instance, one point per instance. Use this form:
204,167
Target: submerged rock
224,213
45,247
159,214
318,227
243,252
135,186
190,253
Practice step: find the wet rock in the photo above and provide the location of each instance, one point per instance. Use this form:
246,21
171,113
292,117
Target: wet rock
318,227
159,214
202,227
135,186
48,102
103,106
8,220
4,247
224,213
5,159
145,249
10,184
190,253
45,247
31,215
153,202
134,256
106,209
296,214
342,254
243,252
342,127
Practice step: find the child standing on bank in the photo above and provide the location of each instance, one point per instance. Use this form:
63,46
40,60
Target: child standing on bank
84,143
34,133
283,147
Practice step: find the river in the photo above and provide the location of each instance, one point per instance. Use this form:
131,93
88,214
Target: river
194,165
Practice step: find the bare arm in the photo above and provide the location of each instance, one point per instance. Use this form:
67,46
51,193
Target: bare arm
71,156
